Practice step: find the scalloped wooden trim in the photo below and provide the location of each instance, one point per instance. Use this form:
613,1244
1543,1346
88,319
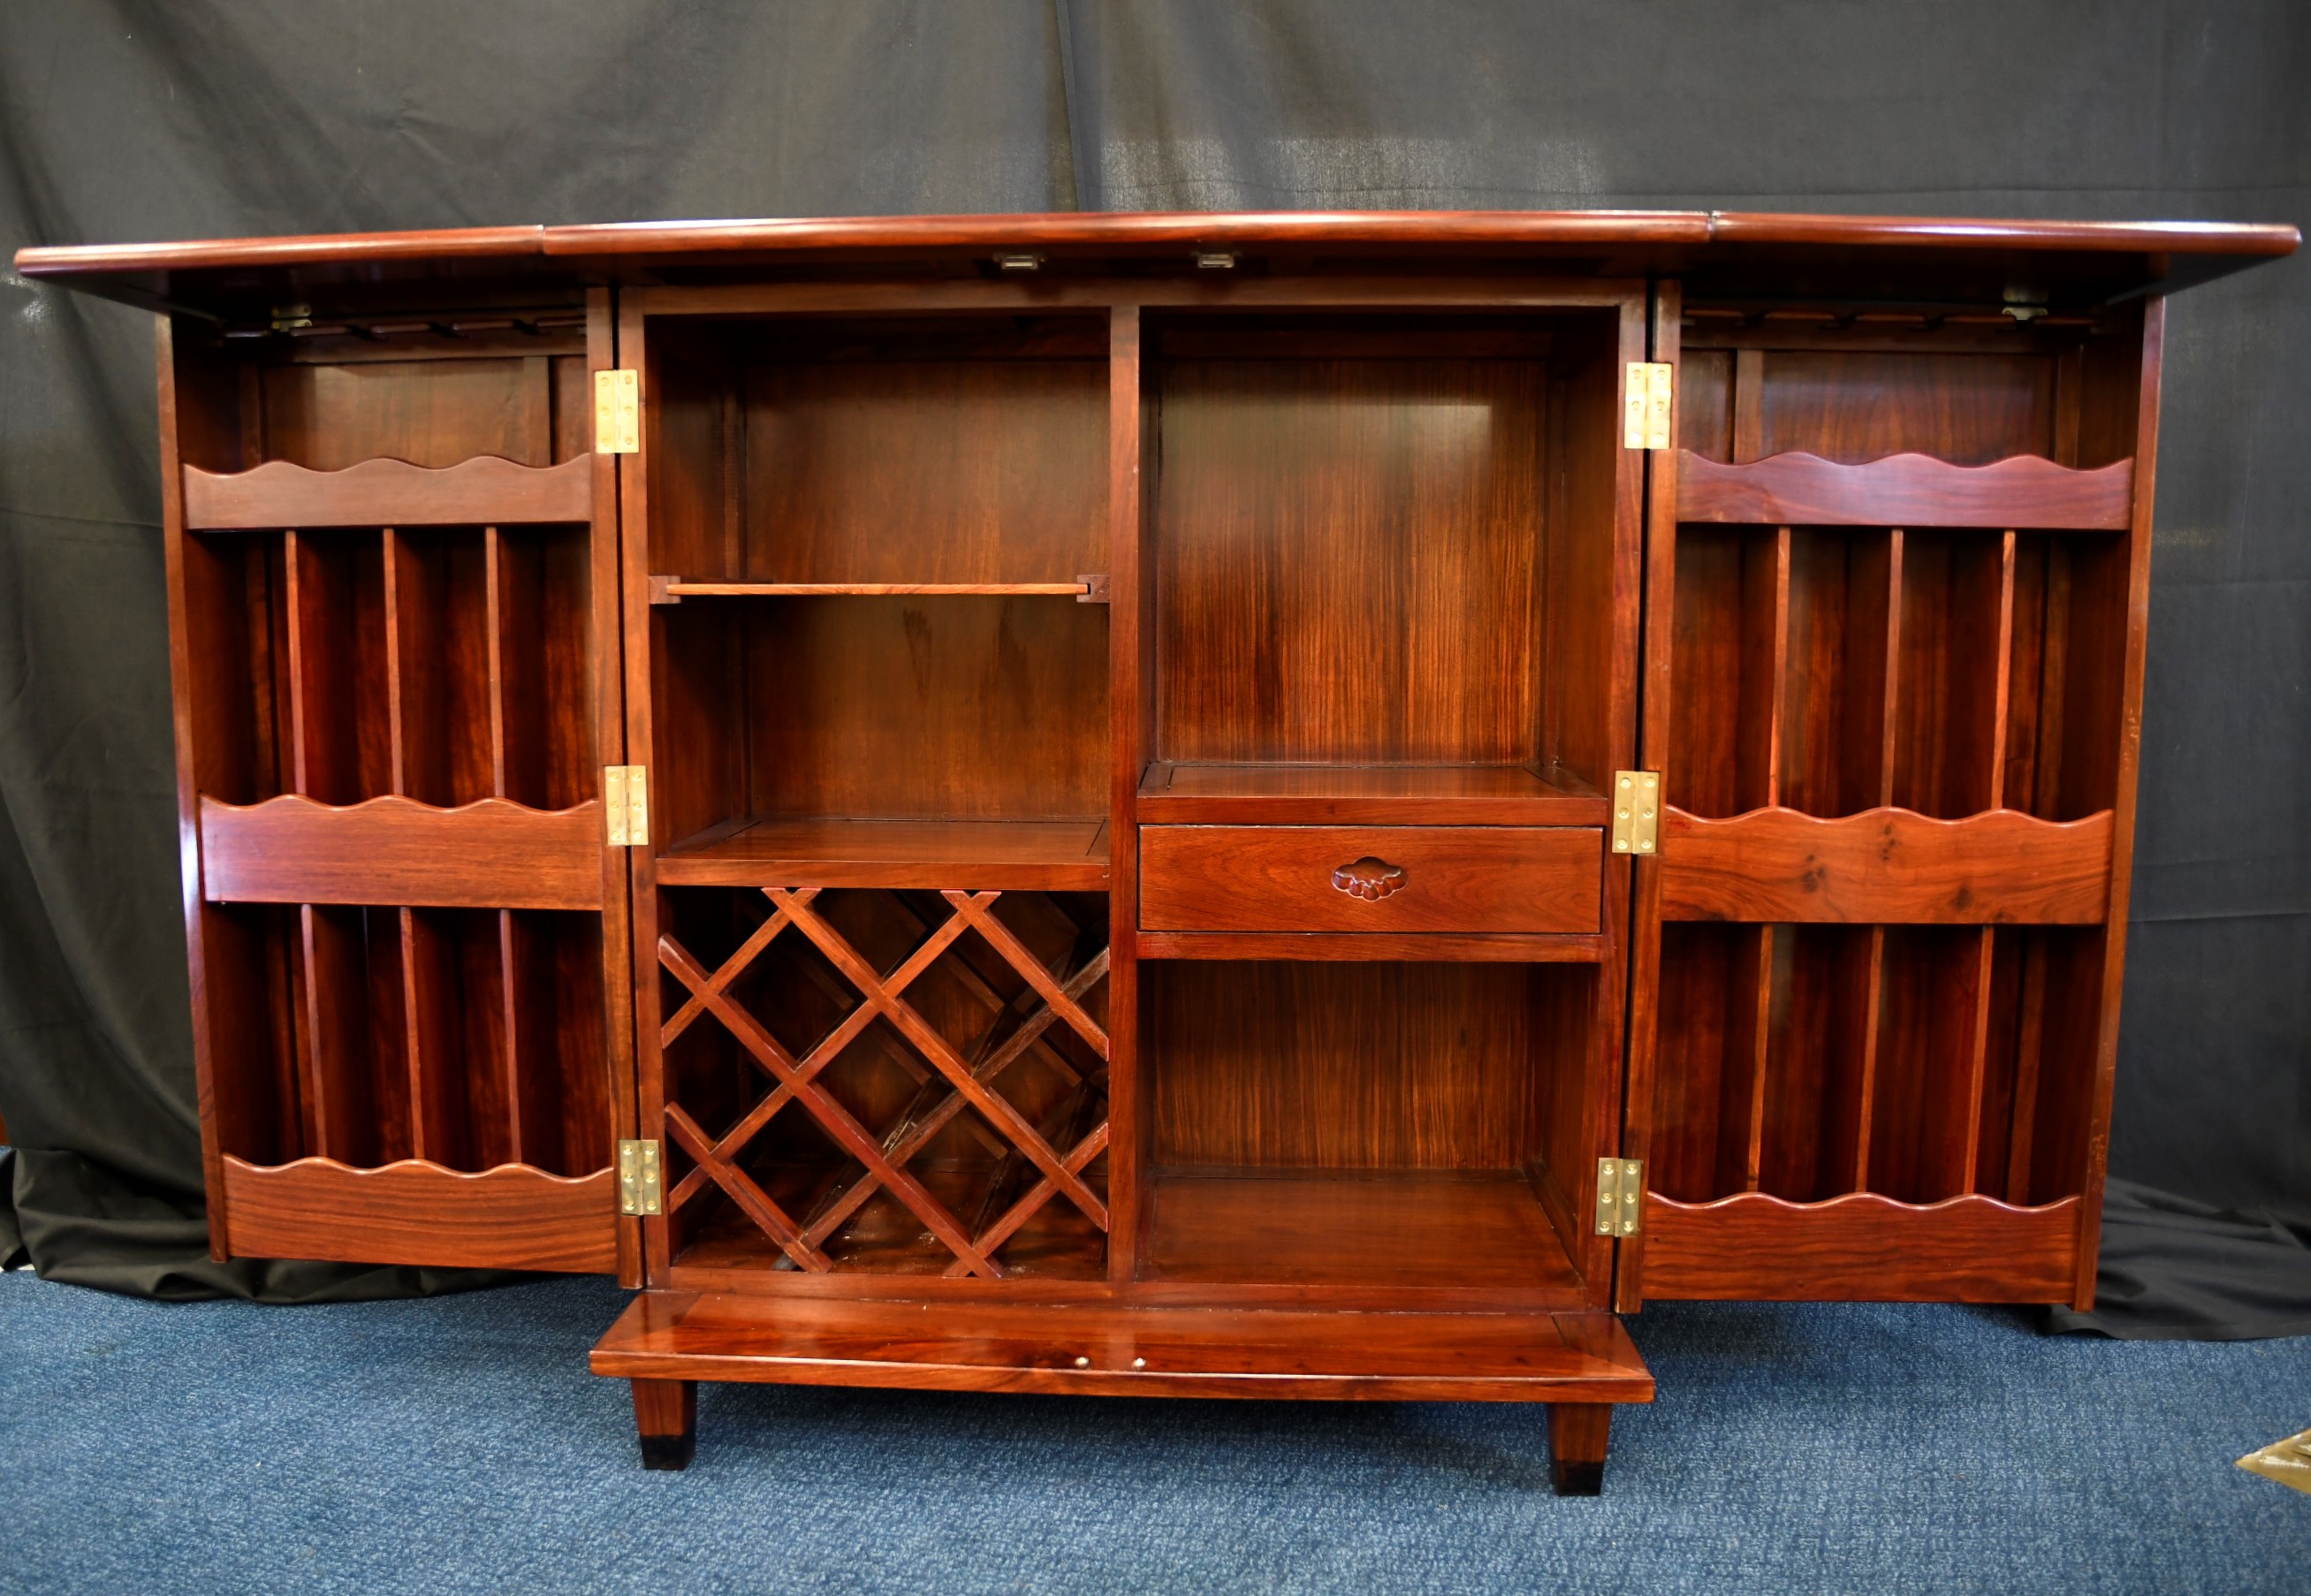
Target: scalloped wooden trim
1862,1246
514,1215
1906,490
487,490
489,854
1886,866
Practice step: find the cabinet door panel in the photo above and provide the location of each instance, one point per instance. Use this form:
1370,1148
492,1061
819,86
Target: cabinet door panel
395,650
1874,963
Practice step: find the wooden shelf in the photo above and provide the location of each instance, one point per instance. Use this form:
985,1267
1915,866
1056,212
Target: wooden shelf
1861,1247
486,491
674,590
1481,1229
975,855
2023,492
1119,1349
1886,866
1369,795
883,1239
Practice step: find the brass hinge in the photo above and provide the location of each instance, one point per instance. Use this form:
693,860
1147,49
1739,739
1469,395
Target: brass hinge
1646,415
1620,1196
1636,811
626,804
617,413
639,1191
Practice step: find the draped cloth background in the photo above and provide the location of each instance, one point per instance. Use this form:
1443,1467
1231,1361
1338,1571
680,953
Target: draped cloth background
141,120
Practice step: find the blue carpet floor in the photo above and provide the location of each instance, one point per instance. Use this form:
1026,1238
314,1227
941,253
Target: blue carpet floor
459,1444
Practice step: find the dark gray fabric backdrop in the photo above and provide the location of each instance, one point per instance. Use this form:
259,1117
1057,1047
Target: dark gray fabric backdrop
135,119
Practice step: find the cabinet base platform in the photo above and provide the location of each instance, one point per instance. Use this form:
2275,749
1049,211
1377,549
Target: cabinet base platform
665,1342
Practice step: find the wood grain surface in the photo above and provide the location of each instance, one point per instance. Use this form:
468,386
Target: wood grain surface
1886,866
1117,1350
1905,489
510,1218
1456,878
490,854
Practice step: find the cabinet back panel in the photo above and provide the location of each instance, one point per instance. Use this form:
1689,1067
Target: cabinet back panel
962,707
430,413
1348,560
926,471
1352,1066
1854,406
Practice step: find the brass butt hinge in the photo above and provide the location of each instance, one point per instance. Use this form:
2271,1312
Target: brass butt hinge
640,1191
1646,412
626,804
1620,1196
617,413
1636,811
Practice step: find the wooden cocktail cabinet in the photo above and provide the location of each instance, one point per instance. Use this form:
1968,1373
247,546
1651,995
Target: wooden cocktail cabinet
1279,806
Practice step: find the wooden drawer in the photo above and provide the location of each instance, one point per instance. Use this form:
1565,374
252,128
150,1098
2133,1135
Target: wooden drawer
1508,878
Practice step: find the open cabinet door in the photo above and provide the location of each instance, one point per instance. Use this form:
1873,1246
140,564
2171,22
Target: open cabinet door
1896,580
392,557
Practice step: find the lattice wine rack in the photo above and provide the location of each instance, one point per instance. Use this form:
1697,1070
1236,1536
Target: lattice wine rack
909,1081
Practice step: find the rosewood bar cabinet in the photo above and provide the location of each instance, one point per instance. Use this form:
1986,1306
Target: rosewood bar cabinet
1267,806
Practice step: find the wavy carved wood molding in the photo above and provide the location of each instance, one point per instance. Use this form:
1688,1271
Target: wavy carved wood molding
514,1215
487,490
2024,492
491,854
1886,866
1861,1247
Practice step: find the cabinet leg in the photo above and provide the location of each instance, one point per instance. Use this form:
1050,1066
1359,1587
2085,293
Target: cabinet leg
666,1413
1577,1433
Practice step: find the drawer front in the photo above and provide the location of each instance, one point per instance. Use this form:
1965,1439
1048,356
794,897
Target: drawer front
1522,879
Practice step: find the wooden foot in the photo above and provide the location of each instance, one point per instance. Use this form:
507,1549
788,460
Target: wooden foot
666,1413
1577,1432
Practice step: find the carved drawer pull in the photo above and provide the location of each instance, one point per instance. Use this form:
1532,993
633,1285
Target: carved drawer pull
1369,878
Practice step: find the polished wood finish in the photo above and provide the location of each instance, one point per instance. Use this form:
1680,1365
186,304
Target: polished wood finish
1906,490
489,853
1028,855
1578,1433
1437,1230
509,1217
483,491
1126,747
1118,1351
1361,795
1860,1247
1390,879
1886,866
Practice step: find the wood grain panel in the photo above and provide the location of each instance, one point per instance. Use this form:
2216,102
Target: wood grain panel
925,470
1859,404
1906,490
433,413
1886,866
511,1217
1343,1065
485,490
1433,1230
950,855
1104,1350
1346,557
1364,795
1426,878
489,854
1861,1247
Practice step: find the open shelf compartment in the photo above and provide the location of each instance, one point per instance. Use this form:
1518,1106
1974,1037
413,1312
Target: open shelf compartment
1372,1128
871,659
